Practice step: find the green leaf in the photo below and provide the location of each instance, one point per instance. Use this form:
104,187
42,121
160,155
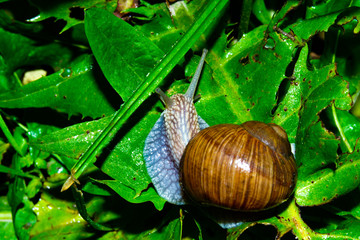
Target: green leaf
33,187
309,149
24,220
344,125
350,15
6,222
146,13
57,91
171,228
311,91
54,55
285,221
10,23
354,210
327,7
23,216
125,56
307,28
58,218
70,11
94,187
123,162
80,204
132,196
165,29
326,184
3,149
22,47
238,89
71,141
348,229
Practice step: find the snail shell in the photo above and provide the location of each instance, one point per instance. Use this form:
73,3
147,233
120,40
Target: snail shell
247,167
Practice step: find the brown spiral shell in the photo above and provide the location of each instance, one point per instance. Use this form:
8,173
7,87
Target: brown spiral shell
247,167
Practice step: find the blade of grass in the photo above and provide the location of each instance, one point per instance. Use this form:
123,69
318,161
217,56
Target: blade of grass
10,137
212,11
81,206
7,170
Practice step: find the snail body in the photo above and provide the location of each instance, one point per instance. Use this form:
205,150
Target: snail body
168,138
247,167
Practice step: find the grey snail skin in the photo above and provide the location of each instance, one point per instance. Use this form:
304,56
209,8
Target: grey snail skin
244,168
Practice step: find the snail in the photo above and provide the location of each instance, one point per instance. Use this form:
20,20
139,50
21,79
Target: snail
247,167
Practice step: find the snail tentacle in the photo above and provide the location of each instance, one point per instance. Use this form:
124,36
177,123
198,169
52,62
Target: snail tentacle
192,88
164,98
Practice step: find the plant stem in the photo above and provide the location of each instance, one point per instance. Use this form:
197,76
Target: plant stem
299,227
341,131
164,67
245,17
